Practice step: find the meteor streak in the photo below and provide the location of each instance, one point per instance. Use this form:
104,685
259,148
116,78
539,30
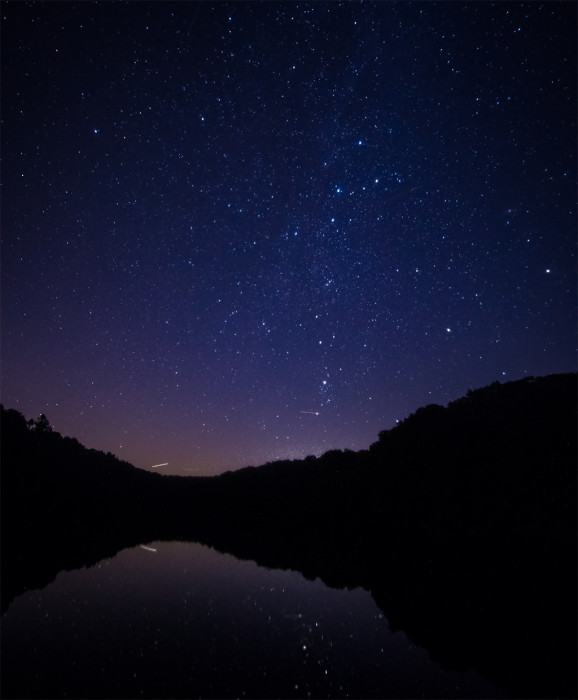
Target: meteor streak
164,464
312,413
149,549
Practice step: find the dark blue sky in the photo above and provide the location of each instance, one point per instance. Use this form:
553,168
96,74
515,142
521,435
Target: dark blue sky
240,232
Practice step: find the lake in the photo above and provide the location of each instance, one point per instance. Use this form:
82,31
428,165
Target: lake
179,619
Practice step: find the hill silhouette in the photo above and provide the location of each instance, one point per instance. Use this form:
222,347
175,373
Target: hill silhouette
461,521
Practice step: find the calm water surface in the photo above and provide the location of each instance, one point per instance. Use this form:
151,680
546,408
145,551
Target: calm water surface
186,621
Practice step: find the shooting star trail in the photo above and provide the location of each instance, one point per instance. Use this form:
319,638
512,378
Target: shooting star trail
148,549
311,413
164,464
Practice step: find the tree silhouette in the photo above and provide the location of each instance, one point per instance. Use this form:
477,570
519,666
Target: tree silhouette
42,425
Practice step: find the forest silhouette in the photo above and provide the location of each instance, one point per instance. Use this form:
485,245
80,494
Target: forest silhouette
460,521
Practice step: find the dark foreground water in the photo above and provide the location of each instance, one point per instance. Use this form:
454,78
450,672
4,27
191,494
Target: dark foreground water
177,619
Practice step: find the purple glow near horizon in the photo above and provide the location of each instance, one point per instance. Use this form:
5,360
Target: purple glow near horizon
241,232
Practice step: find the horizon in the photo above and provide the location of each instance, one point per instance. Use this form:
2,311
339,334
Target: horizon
290,455
241,232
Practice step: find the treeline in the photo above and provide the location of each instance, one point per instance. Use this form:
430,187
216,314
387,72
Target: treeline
65,506
47,475
475,469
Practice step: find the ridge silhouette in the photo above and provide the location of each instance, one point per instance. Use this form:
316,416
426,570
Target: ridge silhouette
461,522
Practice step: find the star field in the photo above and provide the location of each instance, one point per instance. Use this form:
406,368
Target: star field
240,232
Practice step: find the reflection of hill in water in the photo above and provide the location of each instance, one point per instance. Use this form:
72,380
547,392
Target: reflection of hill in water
460,521
188,621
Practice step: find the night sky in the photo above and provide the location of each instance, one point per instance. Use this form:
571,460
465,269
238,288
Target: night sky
234,233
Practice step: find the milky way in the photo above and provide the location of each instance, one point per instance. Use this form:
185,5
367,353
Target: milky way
241,232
